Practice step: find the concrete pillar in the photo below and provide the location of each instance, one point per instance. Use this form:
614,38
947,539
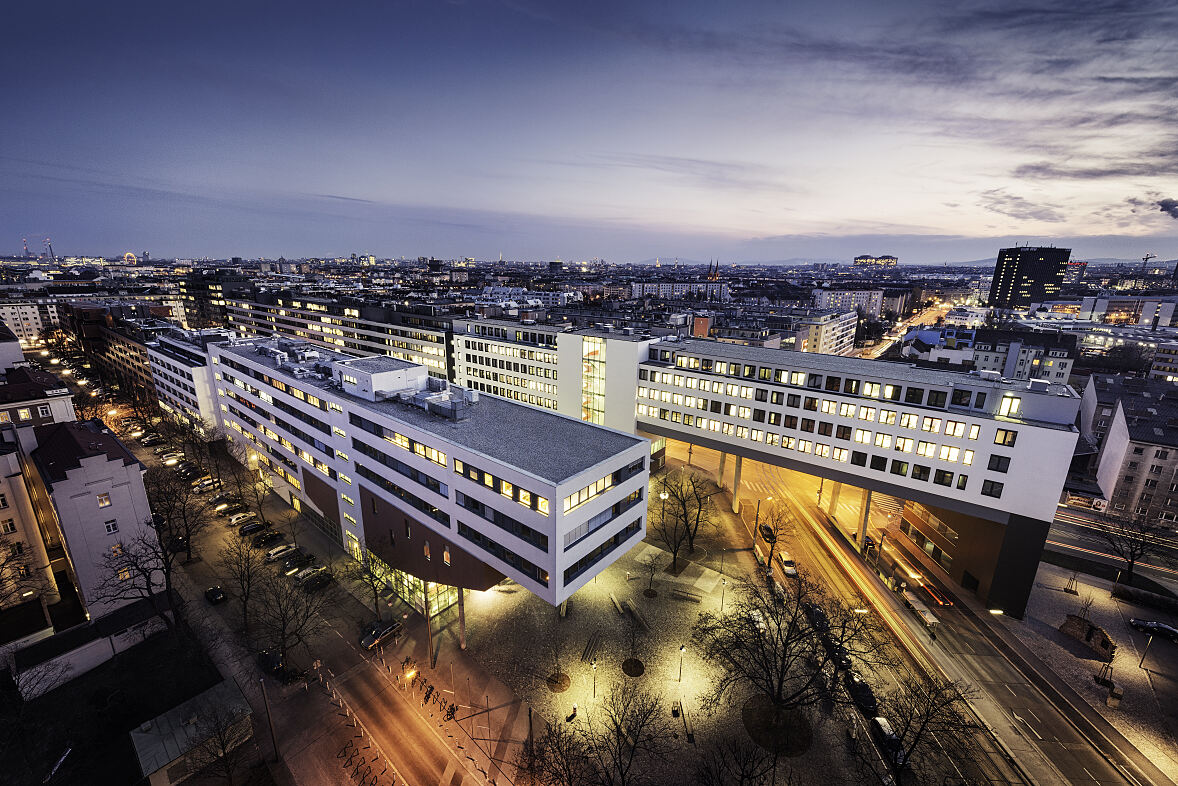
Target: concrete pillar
736,485
720,474
832,509
866,513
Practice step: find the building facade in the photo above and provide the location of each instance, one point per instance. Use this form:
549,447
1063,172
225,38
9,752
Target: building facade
1028,274
444,487
985,457
182,377
827,333
868,302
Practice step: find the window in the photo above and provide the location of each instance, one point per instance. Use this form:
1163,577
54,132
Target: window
859,458
7,527
879,462
1005,437
949,453
908,420
871,389
883,441
905,445
991,488
867,413
932,425
887,417
961,398
914,395
43,411
1009,406
998,463
24,414
926,449
899,467
1138,451
943,478
112,527
104,500
862,436
961,481
920,472
974,430
954,428
1162,454
446,555
3,500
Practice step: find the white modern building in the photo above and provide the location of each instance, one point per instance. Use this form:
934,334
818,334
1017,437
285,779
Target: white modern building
826,333
585,373
444,487
868,302
988,457
27,318
668,290
182,376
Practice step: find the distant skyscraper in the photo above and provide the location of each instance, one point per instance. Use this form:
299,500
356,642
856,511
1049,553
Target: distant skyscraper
1028,274
1076,270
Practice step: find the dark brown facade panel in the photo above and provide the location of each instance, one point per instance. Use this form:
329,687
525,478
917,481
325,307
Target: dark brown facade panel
321,493
406,544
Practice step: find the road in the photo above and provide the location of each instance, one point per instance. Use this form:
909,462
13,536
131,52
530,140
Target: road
1044,741
1078,532
928,316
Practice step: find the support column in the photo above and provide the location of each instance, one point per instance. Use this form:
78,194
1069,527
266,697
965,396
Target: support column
832,508
736,485
866,514
462,617
720,474
429,624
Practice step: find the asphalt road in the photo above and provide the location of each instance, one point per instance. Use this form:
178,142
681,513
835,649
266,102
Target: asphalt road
1078,533
961,647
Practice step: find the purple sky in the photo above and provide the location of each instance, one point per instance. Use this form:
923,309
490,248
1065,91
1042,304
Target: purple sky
739,130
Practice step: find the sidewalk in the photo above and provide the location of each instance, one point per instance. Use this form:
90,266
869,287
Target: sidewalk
1148,715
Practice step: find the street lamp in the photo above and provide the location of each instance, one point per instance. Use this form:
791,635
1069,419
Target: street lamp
723,590
682,649
663,496
595,678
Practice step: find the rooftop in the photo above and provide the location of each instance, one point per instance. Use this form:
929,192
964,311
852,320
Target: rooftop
546,445
62,446
374,364
27,384
167,737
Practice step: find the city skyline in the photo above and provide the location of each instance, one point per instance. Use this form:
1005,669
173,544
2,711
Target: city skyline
617,131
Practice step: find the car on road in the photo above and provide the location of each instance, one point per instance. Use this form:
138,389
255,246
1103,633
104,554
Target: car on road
1155,628
250,527
297,561
232,509
861,693
889,744
268,538
238,519
788,566
281,552
767,533
317,582
215,595
378,632
838,655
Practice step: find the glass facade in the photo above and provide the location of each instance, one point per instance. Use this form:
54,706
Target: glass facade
593,380
412,589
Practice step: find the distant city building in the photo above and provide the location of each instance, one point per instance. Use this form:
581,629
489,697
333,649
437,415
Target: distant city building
1028,274
204,294
885,261
668,290
1165,363
1144,310
967,316
27,318
1005,353
523,296
867,302
827,333
1075,271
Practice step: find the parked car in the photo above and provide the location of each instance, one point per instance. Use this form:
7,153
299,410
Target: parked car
281,552
861,693
767,533
889,744
177,543
150,441
223,496
238,519
838,655
317,582
214,595
378,632
297,561
270,662
232,509
817,617
1155,628
250,528
788,566
307,573
160,450
222,503
206,484
268,538
201,479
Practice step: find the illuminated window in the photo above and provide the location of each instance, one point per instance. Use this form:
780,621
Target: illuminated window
104,500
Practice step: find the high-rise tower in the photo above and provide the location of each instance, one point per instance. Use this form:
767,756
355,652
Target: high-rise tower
1028,274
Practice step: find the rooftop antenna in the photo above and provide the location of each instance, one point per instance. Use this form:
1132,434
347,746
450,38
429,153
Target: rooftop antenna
1145,260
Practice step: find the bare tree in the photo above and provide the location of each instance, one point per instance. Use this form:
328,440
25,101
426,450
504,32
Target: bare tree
735,761
1132,538
650,566
20,577
669,528
777,521
88,406
927,715
288,617
184,511
690,495
140,568
559,756
780,643
244,481
627,734
368,574
223,731
294,523
245,566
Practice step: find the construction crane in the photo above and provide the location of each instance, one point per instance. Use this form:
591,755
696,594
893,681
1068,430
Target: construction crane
49,246
25,241
1145,260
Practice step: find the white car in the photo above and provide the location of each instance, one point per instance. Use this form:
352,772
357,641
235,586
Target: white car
280,552
237,519
788,566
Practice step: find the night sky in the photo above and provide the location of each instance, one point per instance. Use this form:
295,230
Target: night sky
624,130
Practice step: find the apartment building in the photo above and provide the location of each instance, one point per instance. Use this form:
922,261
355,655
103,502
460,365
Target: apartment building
868,302
826,333
205,293
673,290
549,298
1141,310
444,487
1165,363
182,377
1018,355
28,318
584,373
88,495
26,576
417,334
30,398
986,458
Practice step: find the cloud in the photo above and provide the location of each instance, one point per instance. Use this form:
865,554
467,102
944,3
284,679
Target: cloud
1169,207
1000,201
702,172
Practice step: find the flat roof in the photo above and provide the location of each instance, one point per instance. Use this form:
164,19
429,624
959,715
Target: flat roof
375,364
884,370
546,445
